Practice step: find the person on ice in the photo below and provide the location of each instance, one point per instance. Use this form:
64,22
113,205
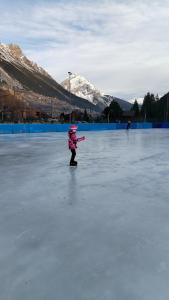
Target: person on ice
72,143
128,125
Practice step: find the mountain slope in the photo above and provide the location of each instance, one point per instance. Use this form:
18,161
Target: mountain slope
125,105
19,72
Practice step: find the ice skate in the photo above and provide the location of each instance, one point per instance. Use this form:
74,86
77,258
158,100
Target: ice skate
73,164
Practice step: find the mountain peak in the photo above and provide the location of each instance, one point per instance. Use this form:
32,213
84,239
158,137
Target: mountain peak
11,49
15,50
82,87
13,53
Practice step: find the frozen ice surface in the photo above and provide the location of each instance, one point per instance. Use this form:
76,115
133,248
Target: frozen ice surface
96,232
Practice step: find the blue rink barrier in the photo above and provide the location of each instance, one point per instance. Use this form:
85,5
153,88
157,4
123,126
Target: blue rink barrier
161,125
35,128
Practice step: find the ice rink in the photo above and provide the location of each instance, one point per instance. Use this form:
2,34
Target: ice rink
96,232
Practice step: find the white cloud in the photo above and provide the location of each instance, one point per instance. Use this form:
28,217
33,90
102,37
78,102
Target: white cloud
122,47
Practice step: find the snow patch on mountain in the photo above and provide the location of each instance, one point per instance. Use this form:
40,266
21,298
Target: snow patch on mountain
83,88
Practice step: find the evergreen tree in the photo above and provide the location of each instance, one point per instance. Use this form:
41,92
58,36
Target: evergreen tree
106,113
163,108
135,108
115,111
86,116
106,110
112,112
157,98
62,117
149,107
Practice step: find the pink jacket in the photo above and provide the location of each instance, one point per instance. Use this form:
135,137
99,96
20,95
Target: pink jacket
72,141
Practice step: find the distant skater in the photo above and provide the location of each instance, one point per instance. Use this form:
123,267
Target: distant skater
128,125
72,143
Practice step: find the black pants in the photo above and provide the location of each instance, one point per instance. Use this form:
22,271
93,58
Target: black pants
73,155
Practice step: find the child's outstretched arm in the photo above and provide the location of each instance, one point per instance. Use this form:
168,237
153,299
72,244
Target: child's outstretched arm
81,139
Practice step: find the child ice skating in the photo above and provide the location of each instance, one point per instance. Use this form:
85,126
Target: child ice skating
72,143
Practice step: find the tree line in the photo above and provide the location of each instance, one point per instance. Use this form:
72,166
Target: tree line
152,109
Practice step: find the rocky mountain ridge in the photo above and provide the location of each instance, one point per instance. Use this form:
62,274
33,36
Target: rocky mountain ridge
19,73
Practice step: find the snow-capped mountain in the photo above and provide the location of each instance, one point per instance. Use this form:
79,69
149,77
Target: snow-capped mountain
83,88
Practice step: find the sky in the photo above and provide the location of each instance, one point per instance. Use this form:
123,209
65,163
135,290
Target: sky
122,47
